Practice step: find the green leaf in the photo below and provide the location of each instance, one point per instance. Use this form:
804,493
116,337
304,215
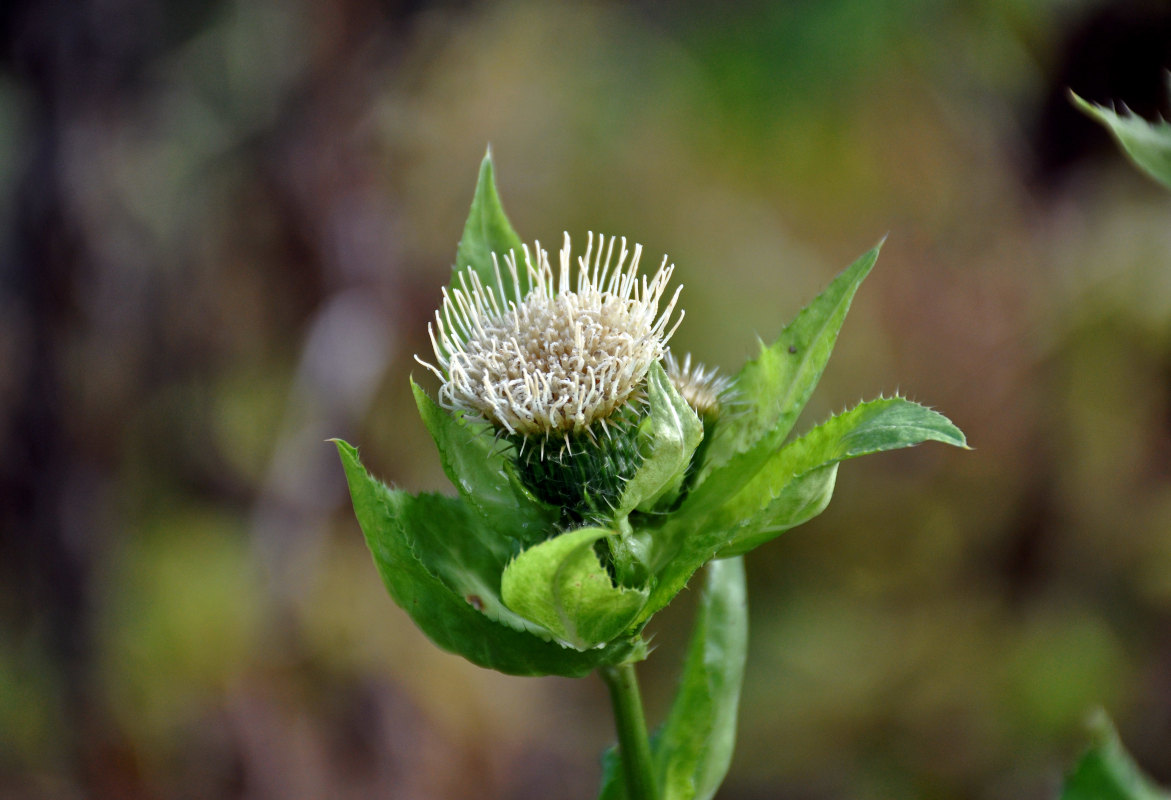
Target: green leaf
795,485
453,546
487,231
694,747
473,462
792,486
1107,771
755,518
1148,144
561,584
774,387
613,778
390,519
669,436
888,423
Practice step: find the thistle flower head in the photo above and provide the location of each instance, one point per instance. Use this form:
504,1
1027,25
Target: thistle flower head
702,388
563,355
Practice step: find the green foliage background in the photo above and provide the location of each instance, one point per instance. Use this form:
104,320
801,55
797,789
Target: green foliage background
223,234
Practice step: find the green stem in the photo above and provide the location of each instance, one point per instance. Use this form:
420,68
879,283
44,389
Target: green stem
634,747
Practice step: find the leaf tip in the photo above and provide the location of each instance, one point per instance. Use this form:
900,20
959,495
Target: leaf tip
345,450
1100,726
487,164
1097,112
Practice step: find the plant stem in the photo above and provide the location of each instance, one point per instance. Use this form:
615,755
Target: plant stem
633,745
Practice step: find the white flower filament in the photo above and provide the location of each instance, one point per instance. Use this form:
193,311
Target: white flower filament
563,357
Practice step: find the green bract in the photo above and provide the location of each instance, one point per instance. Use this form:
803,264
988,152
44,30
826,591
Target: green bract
517,584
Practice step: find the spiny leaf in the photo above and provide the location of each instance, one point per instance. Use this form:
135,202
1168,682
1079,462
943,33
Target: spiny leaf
474,464
1148,144
795,485
790,487
451,620
773,388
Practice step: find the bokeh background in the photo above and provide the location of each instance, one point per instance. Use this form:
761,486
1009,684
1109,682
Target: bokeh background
223,228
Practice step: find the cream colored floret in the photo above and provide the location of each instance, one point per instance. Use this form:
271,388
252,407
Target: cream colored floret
565,356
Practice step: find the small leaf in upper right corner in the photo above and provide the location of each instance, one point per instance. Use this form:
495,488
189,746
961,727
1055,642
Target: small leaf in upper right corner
1148,144
1107,772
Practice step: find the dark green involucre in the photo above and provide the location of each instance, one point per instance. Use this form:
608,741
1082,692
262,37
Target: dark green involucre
585,474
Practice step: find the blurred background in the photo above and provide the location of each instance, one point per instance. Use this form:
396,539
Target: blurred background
224,226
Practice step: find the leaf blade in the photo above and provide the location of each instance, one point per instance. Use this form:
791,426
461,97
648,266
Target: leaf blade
561,584
1107,772
480,474
722,526
777,384
487,230
448,619
673,432
693,749
1146,144
798,501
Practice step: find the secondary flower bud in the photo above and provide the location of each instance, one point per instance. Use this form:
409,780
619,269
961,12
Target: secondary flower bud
704,389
